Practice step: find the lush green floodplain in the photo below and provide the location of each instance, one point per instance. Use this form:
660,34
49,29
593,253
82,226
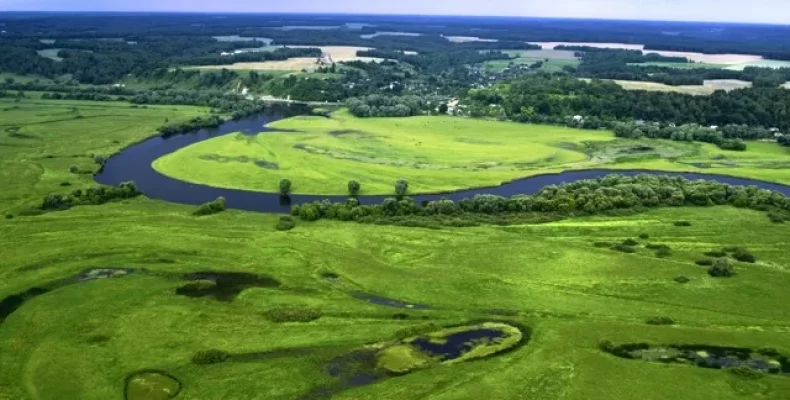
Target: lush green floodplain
439,154
132,334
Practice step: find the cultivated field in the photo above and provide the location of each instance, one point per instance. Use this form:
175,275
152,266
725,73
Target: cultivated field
467,39
439,154
339,54
728,61
707,88
557,59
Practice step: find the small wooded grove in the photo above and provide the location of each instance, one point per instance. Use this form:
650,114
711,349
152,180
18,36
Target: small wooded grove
90,196
596,196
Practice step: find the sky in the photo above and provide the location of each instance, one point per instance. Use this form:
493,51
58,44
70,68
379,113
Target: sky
761,11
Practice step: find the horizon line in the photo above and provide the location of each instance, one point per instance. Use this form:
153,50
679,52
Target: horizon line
373,14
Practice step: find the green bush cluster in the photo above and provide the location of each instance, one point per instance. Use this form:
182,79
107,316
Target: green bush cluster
200,122
608,194
285,187
682,279
206,357
90,196
286,223
721,268
705,262
212,207
292,314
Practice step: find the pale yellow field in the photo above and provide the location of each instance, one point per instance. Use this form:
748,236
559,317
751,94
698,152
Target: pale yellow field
726,59
338,53
707,88
467,39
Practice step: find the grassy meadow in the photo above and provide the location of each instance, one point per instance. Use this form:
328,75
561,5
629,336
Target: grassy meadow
557,59
439,154
84,339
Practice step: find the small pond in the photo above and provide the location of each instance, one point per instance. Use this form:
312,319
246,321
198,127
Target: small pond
151,385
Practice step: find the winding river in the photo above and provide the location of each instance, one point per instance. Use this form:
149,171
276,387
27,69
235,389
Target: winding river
134,164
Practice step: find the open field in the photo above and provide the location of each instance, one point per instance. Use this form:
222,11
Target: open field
707,88
51,54
557,59
339,54
682,65
699,60
83,340
439,154
468,39
40,140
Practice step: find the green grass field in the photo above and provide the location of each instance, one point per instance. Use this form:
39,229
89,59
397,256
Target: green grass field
40,140
85,339
557,59
439,154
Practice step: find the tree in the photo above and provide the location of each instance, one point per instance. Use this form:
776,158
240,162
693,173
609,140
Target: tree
353,187
721,268
285,187
443,108
401,187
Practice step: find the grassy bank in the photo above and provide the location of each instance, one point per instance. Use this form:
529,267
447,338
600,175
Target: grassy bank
439,154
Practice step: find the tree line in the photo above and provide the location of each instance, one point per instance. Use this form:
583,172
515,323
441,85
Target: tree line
587,197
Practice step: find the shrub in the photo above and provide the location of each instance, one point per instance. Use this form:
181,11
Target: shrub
212,207
624,248
663,252
285,187
705,262
401,187
602,244
655,246
721,268
353,187
715,254
65,184
682,223
292,314
744,255
400,316
644,236
74,169
286,223
9,216
660,321
607,346
776,218
630,242
206,357
768,351
682,279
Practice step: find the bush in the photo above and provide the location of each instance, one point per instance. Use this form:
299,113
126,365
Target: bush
602,244
660,321
74,169
353,188
682,279
9,216
292,314
206,357
65,184
663,252
768,351
607,346
630,242
776,217
212,207
682,223
401,187
744,255
624,248
655,246
285,187
644,236
705,262
90,196
721,268
286,223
